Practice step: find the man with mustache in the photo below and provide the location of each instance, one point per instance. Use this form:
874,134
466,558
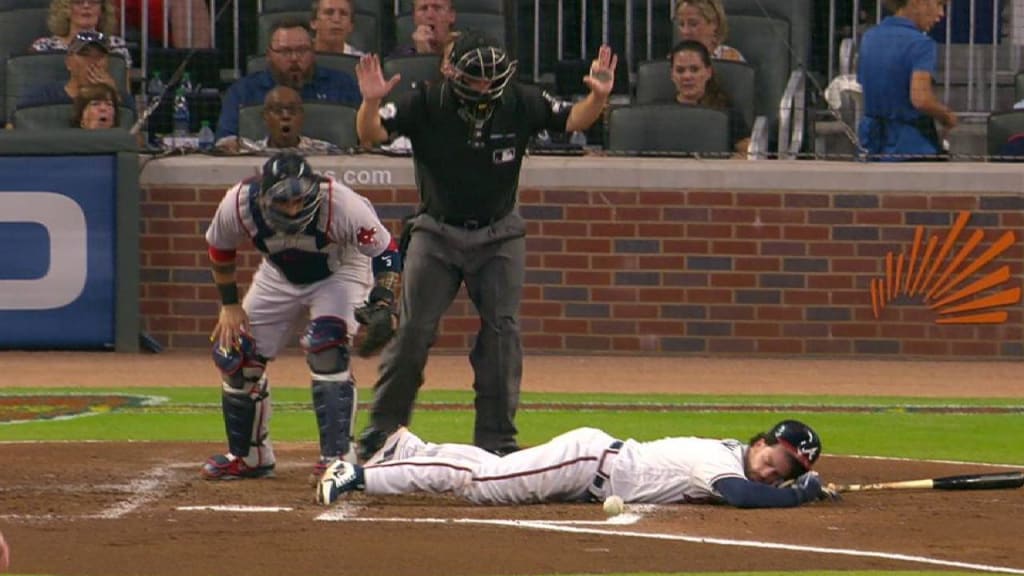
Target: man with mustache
290,62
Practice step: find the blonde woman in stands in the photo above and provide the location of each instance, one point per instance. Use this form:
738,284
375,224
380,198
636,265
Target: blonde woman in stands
69,17
705,22
696,85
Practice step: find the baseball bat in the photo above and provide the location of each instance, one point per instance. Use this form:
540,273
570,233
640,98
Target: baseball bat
994,481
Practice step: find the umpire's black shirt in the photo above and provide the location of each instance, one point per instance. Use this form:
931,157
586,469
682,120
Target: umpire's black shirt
458,182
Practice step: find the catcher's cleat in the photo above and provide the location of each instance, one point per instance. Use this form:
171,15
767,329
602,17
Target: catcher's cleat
230,467
393,448
340,477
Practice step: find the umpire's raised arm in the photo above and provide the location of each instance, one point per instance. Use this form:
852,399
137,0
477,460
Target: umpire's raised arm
374,88
601,80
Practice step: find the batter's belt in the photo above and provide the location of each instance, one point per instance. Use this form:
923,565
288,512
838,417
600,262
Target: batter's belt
604,471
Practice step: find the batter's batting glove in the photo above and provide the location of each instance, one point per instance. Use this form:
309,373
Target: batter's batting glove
378,315
809,488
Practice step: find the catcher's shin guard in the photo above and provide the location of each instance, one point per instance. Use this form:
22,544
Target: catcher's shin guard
334,392
245,403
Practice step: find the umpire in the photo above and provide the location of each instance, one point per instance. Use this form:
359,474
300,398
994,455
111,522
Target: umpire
468,134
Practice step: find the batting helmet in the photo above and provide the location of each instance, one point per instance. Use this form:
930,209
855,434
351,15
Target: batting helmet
288,177
802,443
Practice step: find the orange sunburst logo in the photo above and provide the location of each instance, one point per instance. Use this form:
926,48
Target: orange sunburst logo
913,278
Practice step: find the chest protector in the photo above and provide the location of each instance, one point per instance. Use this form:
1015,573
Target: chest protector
303,258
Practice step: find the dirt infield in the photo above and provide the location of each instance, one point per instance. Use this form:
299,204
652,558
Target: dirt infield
131,508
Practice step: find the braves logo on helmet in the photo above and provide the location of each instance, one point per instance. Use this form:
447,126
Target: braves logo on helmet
799,440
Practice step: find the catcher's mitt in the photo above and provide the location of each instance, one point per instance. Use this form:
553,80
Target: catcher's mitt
378,315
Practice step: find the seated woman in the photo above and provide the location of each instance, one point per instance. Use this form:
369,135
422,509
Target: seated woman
704,21
696,85
69,17
95,108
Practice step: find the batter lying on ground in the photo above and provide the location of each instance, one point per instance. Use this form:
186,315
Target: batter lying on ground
587,464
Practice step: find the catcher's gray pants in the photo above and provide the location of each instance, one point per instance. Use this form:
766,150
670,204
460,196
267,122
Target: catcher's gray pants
491,261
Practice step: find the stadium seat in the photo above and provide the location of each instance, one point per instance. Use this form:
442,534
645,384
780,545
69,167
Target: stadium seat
1001,127
1018,87
342,62
6,5
57,116
669,128
335,123
418,68
654,84
365,37
26,71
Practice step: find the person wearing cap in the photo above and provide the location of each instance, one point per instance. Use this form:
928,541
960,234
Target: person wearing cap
772,470
66,18
468,134
87,62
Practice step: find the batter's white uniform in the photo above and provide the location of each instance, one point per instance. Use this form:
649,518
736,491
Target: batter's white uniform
347,234
582,464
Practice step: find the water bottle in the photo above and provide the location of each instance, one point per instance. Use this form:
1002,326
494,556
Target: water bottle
206,137
186,84
181,114
155,86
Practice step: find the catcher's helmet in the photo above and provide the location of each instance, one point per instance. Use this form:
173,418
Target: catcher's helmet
287,176
802,443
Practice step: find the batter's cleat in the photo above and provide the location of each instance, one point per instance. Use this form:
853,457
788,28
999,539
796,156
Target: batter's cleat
321,465
370,442
393,448
341,477
230,467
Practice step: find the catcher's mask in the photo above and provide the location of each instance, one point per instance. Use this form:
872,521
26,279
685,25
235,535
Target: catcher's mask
480,71
801,443
287,177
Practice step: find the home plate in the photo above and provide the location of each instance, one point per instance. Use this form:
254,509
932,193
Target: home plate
234,508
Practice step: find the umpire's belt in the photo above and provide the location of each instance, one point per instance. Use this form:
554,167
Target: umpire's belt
467,223
604,464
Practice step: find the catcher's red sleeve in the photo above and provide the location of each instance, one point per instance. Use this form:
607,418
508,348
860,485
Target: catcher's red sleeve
221,256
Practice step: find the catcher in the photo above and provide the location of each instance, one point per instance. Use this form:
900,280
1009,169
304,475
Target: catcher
773,470
320,241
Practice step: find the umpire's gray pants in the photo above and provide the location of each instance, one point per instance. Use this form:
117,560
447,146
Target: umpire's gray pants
491,261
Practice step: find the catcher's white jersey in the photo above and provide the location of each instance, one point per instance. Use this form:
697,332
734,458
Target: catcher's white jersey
335,254
581,464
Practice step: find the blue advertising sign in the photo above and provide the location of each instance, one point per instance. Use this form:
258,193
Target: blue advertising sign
57,258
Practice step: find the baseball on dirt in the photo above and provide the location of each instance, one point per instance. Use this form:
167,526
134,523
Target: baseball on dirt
613,505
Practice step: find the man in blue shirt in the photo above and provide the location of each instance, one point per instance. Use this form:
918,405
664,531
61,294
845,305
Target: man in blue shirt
897,63
290,62
88,62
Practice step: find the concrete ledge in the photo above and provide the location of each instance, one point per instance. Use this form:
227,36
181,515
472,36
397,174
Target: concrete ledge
617,173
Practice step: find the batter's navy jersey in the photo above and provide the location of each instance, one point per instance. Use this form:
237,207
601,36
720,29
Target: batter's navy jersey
460,182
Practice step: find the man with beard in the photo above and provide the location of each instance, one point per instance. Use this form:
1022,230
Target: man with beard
290,62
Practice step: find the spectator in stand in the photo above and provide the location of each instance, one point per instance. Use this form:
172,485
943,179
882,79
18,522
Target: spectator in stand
290,62
433,20
95,108
895,69
178,24
332,24
88,62
69,17
696,85
705,22
284,117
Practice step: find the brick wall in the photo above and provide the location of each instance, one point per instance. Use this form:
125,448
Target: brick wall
702,272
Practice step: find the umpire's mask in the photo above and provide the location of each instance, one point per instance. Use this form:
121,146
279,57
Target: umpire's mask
479,72
287,177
